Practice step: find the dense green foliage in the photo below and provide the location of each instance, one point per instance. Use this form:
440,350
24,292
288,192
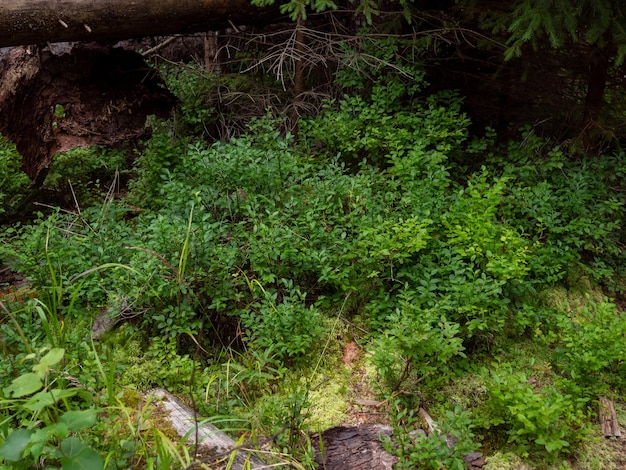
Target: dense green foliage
13,180
228,266
594,22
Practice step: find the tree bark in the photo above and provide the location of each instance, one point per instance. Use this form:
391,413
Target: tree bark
298,78
608,419
598,72
24,22
599,64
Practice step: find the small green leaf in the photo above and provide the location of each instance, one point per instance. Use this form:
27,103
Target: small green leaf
53,357
14,444
24,385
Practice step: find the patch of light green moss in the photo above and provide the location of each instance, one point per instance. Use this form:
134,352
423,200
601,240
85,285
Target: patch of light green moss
371,376
467,391
505,461
329,400
580,293
329,379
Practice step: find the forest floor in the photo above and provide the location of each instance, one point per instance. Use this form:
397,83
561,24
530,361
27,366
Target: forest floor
350,398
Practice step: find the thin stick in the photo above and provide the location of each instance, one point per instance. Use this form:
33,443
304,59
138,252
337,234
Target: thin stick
159,46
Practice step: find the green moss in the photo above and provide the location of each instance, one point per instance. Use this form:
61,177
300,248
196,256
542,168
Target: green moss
467,391
329,401
131,398
505,461
600,454
581,290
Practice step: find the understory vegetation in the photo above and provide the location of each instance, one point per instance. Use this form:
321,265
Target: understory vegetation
478,275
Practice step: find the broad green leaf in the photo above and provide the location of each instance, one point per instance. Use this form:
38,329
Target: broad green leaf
41,439
14,444
87,459
47,433
46,398
25,384
53,357
71,446
80,419
79,457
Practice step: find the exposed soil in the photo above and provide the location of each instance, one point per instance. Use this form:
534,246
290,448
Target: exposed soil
364,407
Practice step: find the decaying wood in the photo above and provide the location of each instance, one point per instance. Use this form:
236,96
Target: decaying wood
430,424
343,448
183,420
25,22
339,448
355,448
75,96
608,419
211,52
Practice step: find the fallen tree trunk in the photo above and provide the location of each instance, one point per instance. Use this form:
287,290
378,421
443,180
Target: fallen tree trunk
24,22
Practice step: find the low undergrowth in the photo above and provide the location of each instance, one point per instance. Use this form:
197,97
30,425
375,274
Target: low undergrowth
227,268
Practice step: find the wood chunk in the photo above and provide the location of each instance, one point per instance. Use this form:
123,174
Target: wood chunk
608,419
354,448
430,424
41,21
474,460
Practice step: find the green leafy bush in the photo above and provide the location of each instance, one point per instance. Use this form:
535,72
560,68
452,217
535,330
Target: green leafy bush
86,169
537,417
381,206
40,424
571,210
13,181
592,341
288,328
418,344
432,451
